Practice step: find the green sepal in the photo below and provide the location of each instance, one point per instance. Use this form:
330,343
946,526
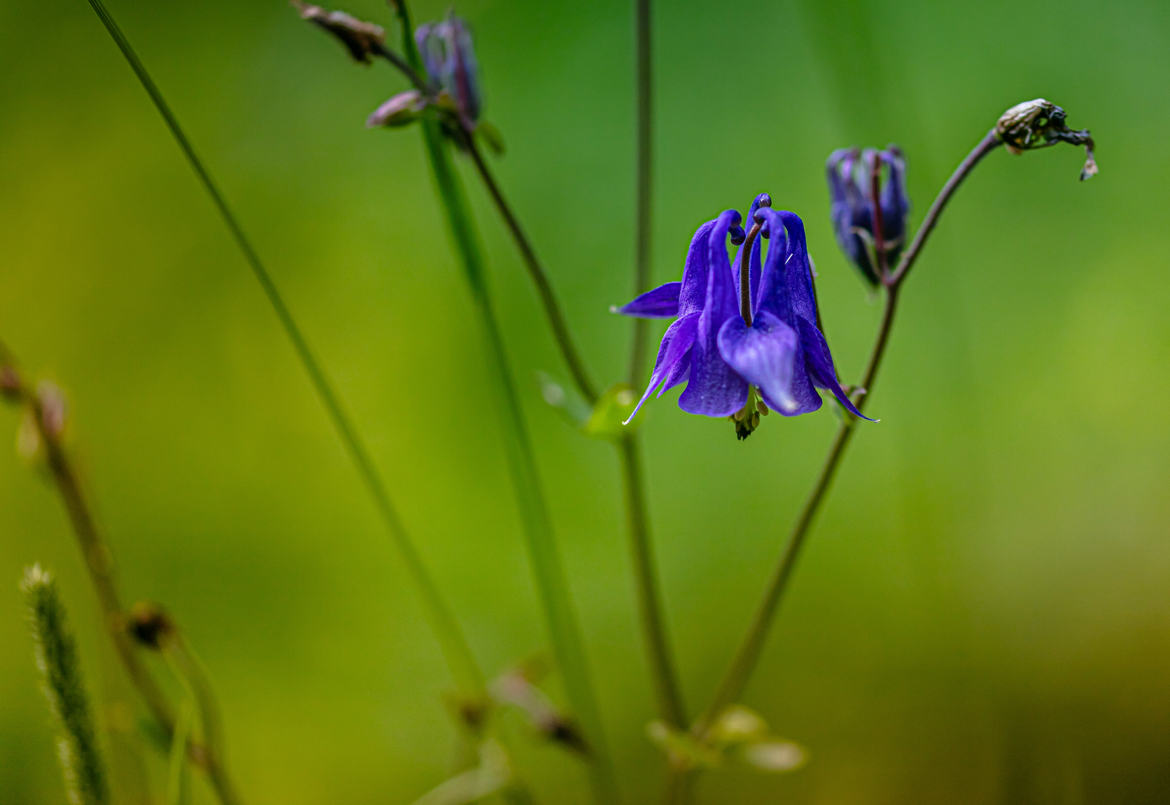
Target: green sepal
740,738
683,749
491,137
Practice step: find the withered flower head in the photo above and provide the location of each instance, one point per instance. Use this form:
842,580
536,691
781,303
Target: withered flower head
361,39
1038,124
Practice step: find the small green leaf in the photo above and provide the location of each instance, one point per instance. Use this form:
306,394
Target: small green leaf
491,137
682,748
564,400
739,724
611,410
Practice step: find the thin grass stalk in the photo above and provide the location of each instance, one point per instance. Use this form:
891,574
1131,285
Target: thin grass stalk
464,668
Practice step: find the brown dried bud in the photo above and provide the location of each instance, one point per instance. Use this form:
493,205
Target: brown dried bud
516,689
149,625
1038,124
10,385
361,39
51,405
563,731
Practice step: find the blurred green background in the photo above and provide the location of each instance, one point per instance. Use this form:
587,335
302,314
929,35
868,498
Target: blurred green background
983,613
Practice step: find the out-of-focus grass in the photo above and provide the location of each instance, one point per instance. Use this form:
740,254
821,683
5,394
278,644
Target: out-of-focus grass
982,612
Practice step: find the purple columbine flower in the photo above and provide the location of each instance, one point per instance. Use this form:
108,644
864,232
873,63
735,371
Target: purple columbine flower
743,341
449,57
851,192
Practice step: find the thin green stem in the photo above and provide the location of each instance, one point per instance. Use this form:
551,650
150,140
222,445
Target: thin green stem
458,654
548,299
748,654
666,688
989,143
655,635
643,175
551,582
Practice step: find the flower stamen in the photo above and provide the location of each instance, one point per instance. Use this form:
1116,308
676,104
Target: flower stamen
747,419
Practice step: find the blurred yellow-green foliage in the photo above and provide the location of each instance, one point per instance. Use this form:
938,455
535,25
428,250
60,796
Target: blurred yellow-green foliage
983,614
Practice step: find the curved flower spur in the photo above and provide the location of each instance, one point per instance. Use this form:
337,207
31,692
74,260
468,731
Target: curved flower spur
742,358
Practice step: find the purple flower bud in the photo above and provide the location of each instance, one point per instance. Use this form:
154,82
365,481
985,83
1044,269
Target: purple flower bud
403,108
449,59
851,193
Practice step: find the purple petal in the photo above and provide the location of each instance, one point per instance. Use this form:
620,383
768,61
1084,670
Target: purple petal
895,203
786,288
836,170
807,399
660,303
820,365
678,374
694,281
764,355
714,388
675,347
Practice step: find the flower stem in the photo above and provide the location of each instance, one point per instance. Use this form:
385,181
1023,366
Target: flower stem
666,688
643,173
552,585
458,654
671,705
989,143
536,271
748,653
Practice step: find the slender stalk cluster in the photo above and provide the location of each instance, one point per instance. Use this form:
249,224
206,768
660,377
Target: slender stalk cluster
64,686
46,415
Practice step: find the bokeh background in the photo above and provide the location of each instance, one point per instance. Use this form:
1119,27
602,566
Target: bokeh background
983,612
